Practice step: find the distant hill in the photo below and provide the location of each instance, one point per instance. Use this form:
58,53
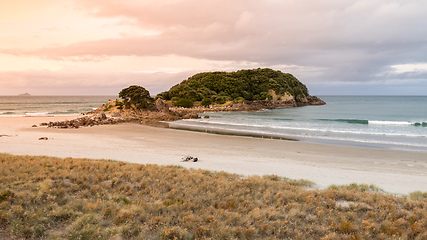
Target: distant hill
24,94
254,84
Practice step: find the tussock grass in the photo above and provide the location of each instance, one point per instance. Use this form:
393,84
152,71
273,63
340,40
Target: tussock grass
55,198
358,187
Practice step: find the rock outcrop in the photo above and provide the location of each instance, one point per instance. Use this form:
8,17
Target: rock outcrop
313,100
112,113
162,106
87,121
310,100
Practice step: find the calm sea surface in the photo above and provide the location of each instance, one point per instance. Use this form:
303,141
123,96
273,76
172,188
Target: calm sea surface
49,105
392,122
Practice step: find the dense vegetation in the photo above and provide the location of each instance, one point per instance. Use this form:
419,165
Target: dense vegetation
136,96
54,198
218,87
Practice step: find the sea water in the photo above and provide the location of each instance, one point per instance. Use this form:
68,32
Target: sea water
392,122
396,122
49,105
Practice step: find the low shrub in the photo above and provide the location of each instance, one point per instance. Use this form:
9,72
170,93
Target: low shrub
418,196
206,102
54,198
183,102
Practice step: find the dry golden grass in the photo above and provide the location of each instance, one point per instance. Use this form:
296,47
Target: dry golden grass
54,198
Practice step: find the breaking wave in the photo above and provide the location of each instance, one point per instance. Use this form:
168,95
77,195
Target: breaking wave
374,122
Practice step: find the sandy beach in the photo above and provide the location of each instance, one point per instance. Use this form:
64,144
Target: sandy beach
394,171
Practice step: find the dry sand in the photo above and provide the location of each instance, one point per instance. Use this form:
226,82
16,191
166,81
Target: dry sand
394,171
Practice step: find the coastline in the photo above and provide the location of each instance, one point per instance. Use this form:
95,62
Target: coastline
280,136
394,171
228,132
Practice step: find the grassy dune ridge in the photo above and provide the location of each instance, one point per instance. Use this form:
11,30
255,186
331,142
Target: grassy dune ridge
55,198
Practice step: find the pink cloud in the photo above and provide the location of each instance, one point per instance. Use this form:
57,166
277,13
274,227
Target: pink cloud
216,30
82,83
164,14
348,39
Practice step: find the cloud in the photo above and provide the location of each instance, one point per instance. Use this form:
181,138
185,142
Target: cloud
84,83
344,40
408,68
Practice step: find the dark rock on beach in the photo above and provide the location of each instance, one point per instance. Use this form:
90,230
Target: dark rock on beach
87,121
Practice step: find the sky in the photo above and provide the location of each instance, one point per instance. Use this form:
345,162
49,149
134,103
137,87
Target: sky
98,47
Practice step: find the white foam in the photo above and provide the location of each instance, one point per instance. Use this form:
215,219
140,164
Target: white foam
313,129
314,136
12,115
396,123
37,114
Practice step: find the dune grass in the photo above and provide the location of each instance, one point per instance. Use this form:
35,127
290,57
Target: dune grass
55,198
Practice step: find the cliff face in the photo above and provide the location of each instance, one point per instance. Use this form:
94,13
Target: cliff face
163,111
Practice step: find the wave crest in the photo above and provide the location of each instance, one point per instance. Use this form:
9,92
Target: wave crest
352,121
376,122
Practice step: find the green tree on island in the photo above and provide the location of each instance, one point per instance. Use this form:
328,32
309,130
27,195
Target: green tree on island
136,96
219,87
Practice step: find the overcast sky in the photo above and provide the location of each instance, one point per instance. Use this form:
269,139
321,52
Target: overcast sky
98,47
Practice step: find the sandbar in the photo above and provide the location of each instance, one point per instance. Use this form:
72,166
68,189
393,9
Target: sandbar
394,171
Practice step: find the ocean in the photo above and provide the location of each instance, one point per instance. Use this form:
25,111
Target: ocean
49,105
387,122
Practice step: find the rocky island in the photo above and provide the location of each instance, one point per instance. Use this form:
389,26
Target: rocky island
243,90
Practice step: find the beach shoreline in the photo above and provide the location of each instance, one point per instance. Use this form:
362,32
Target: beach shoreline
280,136
394,171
